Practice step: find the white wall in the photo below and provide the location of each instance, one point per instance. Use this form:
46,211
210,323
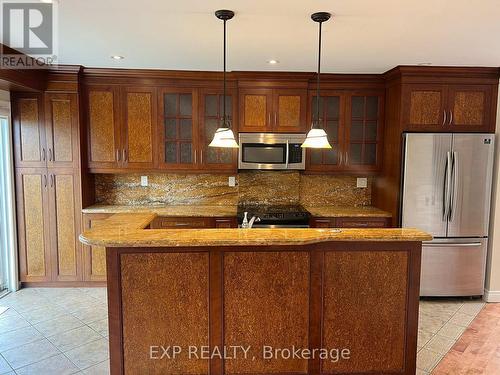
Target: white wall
492,287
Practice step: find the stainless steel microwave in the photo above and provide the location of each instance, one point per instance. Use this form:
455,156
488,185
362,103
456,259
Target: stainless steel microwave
271,151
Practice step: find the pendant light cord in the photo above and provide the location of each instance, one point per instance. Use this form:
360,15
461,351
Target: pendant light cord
224,79
319,70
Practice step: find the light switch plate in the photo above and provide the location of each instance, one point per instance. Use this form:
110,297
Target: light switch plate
361,182
144,180
232,181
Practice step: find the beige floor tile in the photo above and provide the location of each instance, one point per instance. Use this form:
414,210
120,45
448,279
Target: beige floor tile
30,353
99,369
89,354
58,325
421,372
429,323
42,314
4,366
91,314
100,326
461,319
57,365
427,360
440,344
451,331
74,338
424,337
471,308
12,323
18,337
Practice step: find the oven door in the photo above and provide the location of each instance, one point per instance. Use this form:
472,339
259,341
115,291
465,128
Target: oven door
271,151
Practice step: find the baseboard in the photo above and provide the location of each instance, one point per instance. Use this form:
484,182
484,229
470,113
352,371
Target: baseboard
491,295
62,284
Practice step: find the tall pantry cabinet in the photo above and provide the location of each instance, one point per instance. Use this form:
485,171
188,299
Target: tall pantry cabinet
48,194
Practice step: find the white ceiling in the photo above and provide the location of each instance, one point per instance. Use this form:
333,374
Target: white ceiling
365,36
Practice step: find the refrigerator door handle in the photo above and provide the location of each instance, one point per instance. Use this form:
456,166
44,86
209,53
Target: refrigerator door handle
446,188
454,188
451,244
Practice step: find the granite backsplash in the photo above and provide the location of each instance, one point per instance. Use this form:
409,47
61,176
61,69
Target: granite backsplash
252,187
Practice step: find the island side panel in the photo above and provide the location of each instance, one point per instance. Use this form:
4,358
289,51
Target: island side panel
164,303
365,309
266,302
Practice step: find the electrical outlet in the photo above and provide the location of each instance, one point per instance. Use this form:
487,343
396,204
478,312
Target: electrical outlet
144,180
361,182
232,181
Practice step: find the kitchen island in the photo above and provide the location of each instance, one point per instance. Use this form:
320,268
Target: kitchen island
259,301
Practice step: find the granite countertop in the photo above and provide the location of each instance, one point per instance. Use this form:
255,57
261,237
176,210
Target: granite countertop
230,210
165,210
339,211
127,230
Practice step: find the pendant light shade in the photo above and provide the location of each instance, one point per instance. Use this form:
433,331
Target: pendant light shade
317,137
224,136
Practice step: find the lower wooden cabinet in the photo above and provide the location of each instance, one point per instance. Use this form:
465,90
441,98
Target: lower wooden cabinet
94,268
350,222
48,206
194,222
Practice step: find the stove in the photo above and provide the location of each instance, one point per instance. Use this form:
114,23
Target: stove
292,216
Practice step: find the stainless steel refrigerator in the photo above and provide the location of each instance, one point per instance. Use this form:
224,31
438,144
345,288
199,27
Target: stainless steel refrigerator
446,191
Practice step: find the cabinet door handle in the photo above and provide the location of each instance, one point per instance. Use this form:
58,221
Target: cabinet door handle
118,155
194,156
346,157
43,154
444,117
451,117
275,118
124,155
341,157
50,154
51,180
201,156
269,118
45,180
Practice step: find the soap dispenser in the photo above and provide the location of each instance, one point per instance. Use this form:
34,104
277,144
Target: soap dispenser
244,223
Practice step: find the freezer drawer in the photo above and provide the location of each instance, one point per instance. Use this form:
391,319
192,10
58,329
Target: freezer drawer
453,267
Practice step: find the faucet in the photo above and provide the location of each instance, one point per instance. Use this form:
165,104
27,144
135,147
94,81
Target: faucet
249,224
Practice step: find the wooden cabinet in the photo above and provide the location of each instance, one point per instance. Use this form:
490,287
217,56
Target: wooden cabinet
354,125
48,206
32,198
104,146
30,148
448,107
211,102
272,110
65,224
193,222
94,256
62,130
350,222
138,133
178,111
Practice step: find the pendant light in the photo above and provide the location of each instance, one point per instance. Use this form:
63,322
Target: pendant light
316,137
224,136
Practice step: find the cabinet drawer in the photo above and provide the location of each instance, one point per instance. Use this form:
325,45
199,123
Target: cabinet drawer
181,223
323,223
226,222
356,222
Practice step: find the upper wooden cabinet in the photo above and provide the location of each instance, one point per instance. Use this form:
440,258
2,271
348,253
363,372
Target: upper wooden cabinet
353,122
178,142
272,110
138,131
448,107
104,146
46,131
210,116
121,127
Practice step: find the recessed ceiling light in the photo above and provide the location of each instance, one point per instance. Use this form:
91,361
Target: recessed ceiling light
117,57
272,62
46,1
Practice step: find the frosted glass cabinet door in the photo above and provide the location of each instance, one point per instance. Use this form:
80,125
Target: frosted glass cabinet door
178,129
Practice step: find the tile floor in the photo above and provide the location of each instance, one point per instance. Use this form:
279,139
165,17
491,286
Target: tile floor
441,323
54,331
65,331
